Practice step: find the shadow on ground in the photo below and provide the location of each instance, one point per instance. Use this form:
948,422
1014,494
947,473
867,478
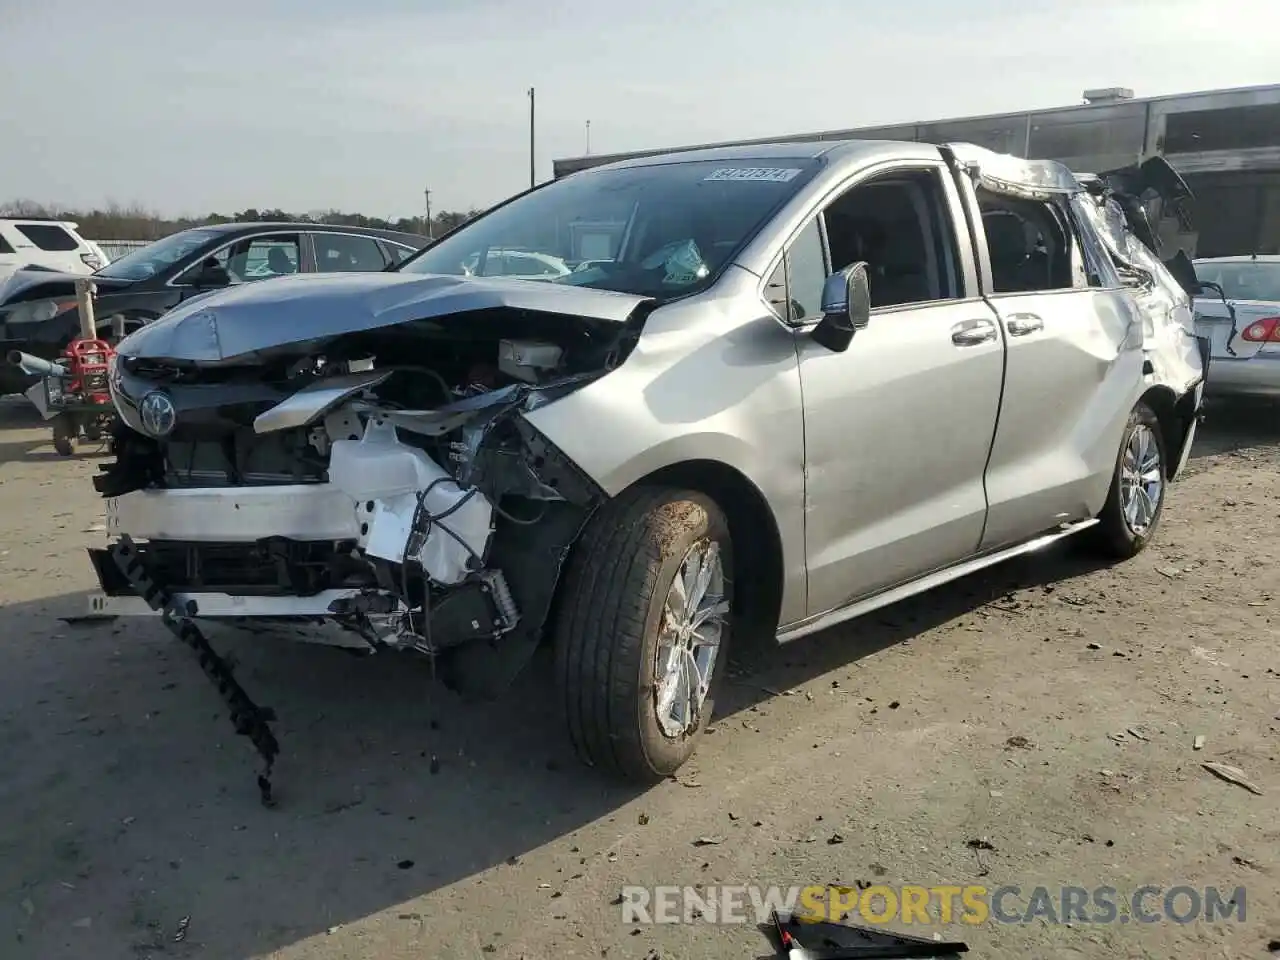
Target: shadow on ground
132,788
31,437
41,451
1234,425
16,411
128,801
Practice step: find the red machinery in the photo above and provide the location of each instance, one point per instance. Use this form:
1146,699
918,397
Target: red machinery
73,391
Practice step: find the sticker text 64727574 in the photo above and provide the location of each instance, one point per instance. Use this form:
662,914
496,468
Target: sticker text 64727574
757,174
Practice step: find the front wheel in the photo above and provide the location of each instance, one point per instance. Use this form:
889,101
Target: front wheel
1135,501
643,630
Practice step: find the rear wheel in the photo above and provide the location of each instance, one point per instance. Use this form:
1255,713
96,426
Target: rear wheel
1135,501
643,630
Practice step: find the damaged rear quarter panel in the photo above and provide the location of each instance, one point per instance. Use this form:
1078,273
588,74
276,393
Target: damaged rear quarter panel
706,381
1167,312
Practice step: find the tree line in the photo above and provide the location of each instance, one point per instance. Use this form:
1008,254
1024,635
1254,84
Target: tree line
135,222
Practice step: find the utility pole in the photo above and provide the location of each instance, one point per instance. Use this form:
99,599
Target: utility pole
588,138
533,181
426,195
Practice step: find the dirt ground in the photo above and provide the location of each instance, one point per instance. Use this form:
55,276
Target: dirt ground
1048,708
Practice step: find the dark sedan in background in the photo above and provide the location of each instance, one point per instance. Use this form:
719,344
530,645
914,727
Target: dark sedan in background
38,312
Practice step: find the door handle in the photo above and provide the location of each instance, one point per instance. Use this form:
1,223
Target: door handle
969,333
1020,324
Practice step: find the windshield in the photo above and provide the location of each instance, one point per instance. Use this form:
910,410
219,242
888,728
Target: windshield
1243,281
655,231
145,262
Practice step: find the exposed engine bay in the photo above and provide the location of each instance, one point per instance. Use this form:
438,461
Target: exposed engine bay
348,454
408,502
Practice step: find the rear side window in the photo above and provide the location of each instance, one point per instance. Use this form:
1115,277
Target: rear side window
4,245
1029,248
343,253
49,237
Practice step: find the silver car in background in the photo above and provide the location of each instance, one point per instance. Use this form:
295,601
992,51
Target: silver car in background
1242,321
806,380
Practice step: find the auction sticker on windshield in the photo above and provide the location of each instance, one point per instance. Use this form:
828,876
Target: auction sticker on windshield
758,174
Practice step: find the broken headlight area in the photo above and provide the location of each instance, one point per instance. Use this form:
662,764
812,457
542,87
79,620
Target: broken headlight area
410,503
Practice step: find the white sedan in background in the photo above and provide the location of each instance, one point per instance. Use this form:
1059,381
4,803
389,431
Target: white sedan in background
1243,324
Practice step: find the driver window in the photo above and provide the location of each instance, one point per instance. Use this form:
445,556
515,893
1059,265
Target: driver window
220,257
252,258
898,225
265,257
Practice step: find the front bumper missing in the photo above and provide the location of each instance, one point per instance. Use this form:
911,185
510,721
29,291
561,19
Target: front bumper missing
249,719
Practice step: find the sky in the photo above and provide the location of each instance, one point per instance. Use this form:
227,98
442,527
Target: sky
360,105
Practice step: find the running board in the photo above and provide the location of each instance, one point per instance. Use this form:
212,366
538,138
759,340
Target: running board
936,579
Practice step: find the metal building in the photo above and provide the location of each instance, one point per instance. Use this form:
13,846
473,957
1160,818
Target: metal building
1225,142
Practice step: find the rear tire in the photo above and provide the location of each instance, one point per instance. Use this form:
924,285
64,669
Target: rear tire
1139,484
623,628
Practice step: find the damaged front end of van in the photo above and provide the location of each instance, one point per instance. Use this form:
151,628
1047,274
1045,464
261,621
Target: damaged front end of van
350,454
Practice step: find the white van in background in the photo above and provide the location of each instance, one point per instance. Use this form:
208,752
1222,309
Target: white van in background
55,244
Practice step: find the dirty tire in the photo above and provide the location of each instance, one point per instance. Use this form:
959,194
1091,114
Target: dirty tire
606,634
1112,537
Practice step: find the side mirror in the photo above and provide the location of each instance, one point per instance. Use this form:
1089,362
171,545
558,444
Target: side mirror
210,274
846,308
